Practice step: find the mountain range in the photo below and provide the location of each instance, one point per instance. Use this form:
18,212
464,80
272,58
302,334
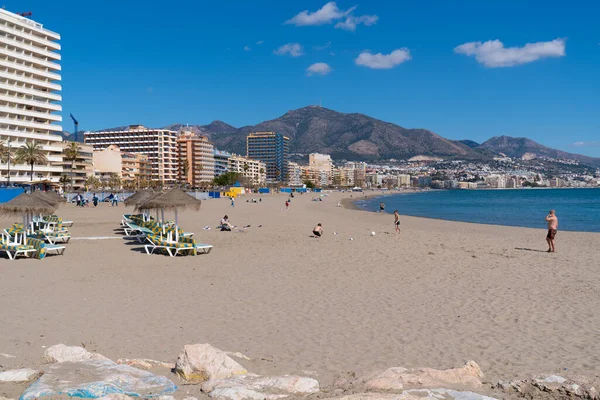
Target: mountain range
360,137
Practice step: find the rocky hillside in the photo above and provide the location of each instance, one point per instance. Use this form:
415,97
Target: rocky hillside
518,147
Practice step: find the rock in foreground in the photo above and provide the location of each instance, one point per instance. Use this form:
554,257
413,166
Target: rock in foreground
398,378
61,353
256,387
19,375
418,394
202,362
553,386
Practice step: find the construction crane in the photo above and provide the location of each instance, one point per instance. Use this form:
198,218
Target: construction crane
76,125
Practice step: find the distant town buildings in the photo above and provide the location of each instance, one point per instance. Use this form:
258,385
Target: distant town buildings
30,96
272,149
221,162
160,145
254,170
196,159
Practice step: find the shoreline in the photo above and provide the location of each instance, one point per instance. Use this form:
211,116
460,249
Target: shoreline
350,204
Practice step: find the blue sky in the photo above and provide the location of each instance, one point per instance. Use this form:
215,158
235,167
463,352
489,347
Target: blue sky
243,62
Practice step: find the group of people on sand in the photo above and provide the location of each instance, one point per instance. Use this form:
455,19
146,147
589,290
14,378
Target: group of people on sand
551,219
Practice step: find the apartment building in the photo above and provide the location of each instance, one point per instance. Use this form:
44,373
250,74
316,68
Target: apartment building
135,167
321,162
221,162
272,149
294,174
196,159
254,170
160,145
80,169
30,95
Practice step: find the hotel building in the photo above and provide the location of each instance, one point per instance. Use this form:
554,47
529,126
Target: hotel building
221,162
198,154
135,167
254,170
29,95
160,145
272,149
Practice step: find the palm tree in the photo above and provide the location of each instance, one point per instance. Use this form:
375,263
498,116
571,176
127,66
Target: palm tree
114,182
64,181
31,154
4,152
72,154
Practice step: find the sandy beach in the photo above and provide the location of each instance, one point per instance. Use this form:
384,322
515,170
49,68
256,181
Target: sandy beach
437,295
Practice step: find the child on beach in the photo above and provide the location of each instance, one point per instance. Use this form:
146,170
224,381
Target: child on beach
318,231
397,221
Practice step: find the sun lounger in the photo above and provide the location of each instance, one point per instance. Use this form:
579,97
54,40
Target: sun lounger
205,248
13,251
187,246
54,248
52,237
130,228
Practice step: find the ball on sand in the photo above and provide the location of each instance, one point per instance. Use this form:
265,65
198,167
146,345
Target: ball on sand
372,233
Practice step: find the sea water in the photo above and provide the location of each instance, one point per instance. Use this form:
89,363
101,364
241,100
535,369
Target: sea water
577,209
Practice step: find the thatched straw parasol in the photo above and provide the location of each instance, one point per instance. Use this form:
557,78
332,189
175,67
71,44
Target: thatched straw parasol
26,205
47,197
174,199
140,197
57,197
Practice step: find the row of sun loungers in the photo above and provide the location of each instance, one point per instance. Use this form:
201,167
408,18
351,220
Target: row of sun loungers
46,235
160,238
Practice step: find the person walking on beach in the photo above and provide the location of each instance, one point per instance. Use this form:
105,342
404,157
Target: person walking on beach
397,221
95,200
287,205
232,202
552,221
115,201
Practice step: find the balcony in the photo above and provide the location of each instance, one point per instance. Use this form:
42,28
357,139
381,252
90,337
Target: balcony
32,92
32,103
30,135
33,49
27,58
29,124
33,38
30,113
26,68
31,81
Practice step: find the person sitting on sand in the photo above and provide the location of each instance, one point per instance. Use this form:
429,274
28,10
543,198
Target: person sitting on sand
552,220
225,225
318,231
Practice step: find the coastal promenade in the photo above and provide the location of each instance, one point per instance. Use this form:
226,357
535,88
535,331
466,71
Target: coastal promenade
437,295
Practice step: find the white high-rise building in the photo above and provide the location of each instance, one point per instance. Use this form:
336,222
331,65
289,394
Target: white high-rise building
29,95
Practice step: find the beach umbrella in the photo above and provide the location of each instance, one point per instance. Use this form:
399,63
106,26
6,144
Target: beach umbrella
174,199
46,196
26,205
51,194
140,197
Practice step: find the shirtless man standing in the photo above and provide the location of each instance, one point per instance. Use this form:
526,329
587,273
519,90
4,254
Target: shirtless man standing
552,220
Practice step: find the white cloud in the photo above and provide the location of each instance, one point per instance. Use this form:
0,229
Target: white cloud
319,68
260,42
493,54
293,49
383,61
324,47
583,144
329,13
325,15
349,24
247,48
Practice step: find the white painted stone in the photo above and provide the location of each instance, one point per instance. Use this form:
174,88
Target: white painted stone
252,386
202,362
145,363
19,375
61,353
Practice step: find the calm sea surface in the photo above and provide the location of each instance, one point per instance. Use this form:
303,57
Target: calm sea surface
577,209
